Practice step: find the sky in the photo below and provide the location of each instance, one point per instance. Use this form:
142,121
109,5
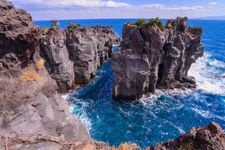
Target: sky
98,9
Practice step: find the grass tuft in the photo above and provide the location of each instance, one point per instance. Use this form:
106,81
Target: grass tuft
72,26
127,146
89,147
40,64
152,22
44,30
31,75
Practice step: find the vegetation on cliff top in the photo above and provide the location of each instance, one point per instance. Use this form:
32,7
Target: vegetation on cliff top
44,30
196,30
54,23
72,26
145,24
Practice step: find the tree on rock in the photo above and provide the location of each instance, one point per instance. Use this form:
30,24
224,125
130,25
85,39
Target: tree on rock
54,23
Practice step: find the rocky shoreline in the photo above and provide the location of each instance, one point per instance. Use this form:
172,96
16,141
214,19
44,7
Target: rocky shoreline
35,68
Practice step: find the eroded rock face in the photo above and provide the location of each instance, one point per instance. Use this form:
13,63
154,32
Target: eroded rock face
54,50
155,57
29,101
88,48
73,55
17,33
210,137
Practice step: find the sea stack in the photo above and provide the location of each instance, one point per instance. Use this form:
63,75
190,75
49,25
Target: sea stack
155,56
73,55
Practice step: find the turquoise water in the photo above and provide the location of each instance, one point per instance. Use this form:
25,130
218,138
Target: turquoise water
163,115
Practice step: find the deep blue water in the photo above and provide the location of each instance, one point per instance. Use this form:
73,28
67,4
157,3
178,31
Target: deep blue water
163,115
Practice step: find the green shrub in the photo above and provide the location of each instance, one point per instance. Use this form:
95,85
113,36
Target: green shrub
145,24
44,30
72,26
196,30
156,21
142,23
54,24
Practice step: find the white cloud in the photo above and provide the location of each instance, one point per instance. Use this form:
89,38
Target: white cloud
115,4
71,3
212,4
164,7
84,9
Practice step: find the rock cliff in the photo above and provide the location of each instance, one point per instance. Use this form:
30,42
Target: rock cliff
29,101
73,55
155,56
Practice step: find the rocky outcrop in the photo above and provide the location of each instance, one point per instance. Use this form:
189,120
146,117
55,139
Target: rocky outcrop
73,55
16,30
29,101
210,137
88,48
54,50
155,56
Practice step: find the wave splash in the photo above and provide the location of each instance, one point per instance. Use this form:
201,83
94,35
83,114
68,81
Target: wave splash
208,74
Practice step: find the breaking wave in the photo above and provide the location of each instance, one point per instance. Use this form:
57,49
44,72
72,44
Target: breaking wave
208,74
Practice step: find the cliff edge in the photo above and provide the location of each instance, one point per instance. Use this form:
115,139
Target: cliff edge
29,101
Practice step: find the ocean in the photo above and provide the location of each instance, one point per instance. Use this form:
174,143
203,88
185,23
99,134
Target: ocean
165,114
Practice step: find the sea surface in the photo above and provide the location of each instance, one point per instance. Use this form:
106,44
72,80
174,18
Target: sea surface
163,115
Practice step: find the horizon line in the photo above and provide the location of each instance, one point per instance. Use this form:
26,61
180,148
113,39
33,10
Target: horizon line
198,18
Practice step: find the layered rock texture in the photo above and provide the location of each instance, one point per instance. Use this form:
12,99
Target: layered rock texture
73,55
210,137
155,56
29,101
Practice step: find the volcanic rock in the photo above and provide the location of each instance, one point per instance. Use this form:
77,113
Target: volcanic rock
29,101
155,56
210,137
73,55
88,48
54,50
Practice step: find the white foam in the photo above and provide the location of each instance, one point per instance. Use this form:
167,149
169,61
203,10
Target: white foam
207,76
222,75
206,114
217,63
65,96
82,115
